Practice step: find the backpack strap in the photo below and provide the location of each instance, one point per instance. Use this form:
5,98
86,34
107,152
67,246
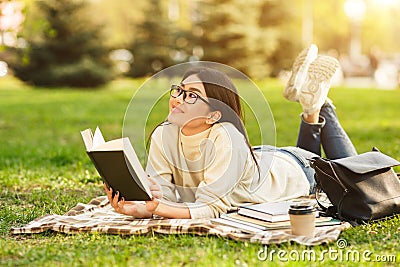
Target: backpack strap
331,211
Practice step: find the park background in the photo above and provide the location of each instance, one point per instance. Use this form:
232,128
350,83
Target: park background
69,65
53,43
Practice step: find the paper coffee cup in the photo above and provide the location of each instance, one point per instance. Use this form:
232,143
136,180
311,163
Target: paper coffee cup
302,220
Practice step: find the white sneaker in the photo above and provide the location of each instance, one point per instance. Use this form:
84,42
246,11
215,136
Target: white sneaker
299,72
314,91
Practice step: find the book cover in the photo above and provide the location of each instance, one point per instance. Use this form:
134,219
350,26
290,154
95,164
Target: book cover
118,165
271,211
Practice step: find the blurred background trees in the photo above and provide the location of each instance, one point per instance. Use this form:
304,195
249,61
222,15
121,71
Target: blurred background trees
153,41
74,42
62,47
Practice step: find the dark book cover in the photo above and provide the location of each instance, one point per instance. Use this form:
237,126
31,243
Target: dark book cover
118,165
118,174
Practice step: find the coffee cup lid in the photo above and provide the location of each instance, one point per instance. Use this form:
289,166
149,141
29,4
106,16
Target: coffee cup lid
301,209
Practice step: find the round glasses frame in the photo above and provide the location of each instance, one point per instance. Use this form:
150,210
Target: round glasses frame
177,90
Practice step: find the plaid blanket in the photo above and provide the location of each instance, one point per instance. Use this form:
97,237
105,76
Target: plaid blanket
99,217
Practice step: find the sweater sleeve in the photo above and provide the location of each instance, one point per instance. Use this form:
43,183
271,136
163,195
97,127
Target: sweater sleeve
221,176
159,169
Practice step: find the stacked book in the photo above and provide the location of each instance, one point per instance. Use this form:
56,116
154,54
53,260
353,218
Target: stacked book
264,217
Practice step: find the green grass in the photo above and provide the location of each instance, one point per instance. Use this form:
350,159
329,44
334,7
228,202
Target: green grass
44,169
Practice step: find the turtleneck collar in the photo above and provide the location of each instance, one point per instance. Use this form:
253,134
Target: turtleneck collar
194,140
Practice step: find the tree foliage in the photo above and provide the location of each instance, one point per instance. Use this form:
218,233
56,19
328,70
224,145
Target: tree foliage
258,37
63,47
230,37
152,44
243,34
253,36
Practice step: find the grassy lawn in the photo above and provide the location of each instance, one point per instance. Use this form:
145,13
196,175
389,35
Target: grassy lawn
44,169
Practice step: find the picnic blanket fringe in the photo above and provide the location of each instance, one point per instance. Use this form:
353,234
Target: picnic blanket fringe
99,217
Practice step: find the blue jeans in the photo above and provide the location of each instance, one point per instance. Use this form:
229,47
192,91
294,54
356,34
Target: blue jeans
327,132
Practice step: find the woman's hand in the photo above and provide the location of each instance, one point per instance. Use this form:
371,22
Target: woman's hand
132,208
157,194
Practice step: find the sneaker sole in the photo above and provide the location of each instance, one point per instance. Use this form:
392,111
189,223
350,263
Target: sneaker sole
299,74
313,96
303,69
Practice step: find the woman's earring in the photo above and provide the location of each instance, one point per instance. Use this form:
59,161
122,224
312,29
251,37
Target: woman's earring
209,120
214,117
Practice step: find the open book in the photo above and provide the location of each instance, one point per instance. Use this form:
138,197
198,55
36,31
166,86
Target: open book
118,165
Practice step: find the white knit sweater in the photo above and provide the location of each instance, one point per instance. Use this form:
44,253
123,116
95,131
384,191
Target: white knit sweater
213,171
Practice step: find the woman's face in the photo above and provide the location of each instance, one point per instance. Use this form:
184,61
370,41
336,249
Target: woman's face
191,118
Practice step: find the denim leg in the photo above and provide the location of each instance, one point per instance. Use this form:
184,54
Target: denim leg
329,133
309,137
335,141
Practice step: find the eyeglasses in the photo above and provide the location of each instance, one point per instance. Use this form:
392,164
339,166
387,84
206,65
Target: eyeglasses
189,97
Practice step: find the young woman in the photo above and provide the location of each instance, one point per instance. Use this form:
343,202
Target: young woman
200,161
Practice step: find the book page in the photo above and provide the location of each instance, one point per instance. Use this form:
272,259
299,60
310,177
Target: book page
98,138
87,137
135,163
113,145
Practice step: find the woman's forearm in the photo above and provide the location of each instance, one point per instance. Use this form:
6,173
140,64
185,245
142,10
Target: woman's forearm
172,210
